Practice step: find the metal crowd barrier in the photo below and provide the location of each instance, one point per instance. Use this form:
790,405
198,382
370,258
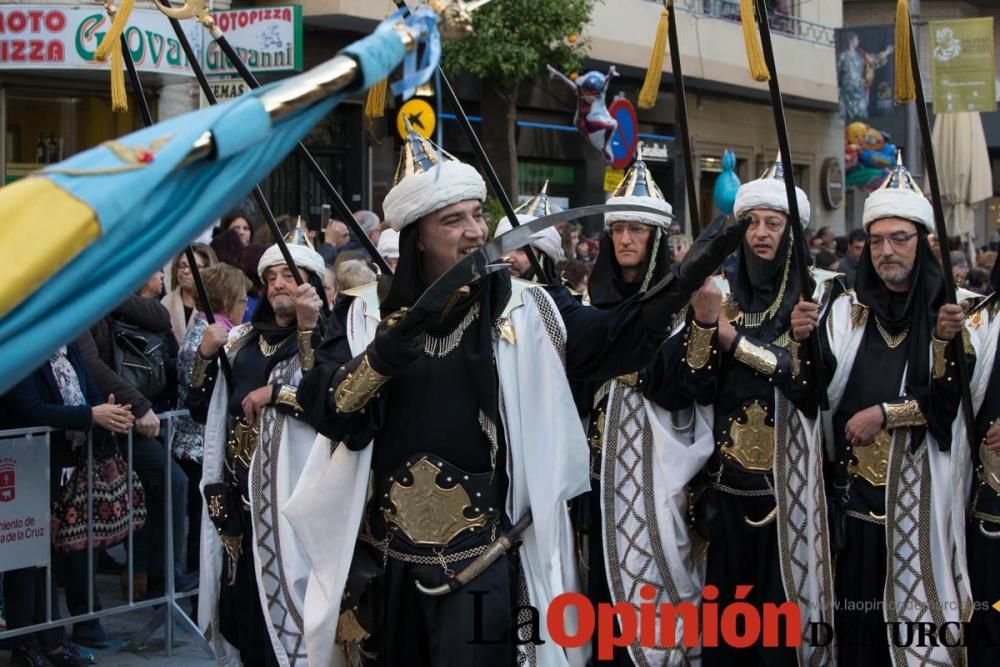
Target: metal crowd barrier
168,603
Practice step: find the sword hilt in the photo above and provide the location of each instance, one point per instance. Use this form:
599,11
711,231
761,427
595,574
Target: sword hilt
492,554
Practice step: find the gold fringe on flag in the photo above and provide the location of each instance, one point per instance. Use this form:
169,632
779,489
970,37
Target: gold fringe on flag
751,39
109,48
906,90
375,102
651,85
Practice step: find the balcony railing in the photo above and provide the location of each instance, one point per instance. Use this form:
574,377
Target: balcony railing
781,22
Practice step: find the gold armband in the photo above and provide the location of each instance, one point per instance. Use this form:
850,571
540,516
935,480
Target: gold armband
307,355
940,361
358,388
199,370
699,346
901,415
287,397
758,358
793,357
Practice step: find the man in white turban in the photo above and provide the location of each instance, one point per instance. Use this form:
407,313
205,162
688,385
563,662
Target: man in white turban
253,572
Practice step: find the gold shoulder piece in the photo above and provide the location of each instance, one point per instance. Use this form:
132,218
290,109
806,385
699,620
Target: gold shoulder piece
940,361
354,392
859,313
902,415
287,396
699,346
199,370
307,355
758,358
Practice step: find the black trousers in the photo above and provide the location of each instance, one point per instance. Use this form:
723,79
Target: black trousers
983,552
194,502
241,617
24,605
860,582
472,626
743,555
597,578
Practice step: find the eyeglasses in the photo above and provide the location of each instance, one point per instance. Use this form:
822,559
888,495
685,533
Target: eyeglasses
896,239
187,267
636,229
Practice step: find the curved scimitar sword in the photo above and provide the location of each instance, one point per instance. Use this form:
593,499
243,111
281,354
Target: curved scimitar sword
502,545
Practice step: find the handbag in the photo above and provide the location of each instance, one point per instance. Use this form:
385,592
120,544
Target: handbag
111,501
141,358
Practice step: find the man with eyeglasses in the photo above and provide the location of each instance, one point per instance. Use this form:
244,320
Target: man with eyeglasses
893,392
634,254
750,445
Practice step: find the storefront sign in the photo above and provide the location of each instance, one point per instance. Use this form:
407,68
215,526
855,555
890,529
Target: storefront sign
24,502
963,68
56,37
225,90
268,39
655,151
65,37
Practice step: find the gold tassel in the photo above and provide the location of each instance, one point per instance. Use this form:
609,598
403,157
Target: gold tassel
906,90
751,40
119,98
110,48
375,102
651,86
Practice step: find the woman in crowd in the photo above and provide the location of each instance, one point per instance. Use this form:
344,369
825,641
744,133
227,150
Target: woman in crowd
60,394
182,298
227,296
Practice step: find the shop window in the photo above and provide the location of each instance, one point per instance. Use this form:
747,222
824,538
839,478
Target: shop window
45,128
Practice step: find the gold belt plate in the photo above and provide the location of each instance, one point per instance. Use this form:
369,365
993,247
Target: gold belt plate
752,440
991,467
873,461
428,513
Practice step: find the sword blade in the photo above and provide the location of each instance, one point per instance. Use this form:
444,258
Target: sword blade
478,264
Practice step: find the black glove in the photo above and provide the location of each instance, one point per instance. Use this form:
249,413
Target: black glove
394,347
710,250
666,298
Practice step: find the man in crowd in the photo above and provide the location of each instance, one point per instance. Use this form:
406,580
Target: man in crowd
735,359
254,447
893,392
457,404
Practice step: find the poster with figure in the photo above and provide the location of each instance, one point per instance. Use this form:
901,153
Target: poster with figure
963,65
865,71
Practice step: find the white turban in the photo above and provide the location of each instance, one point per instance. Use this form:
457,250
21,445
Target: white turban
769,193
547,240
898,203
304,257
638,216
425,192
388,244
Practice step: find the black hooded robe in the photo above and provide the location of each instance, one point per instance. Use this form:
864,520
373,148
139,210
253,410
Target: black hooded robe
877,376
738,553
447,406
241,618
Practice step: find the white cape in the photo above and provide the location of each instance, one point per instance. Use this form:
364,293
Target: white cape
281,567
927,577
